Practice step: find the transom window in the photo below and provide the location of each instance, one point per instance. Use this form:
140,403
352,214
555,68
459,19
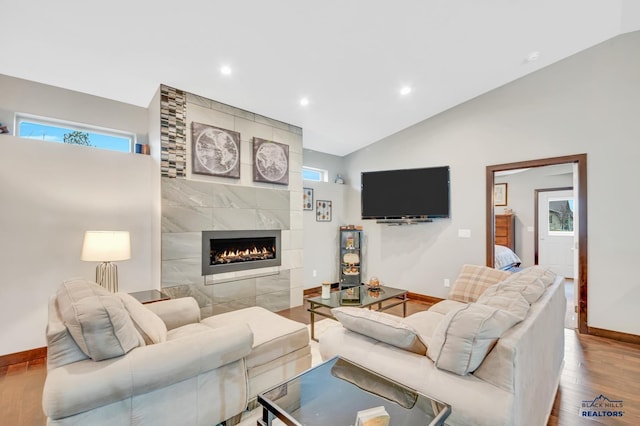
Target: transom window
51,130
313,174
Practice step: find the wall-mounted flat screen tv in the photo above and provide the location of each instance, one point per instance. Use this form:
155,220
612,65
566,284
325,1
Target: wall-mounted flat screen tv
406,194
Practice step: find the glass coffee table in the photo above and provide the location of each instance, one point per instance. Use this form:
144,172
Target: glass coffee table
333,392
359,296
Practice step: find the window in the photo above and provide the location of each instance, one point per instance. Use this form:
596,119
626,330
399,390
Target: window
560,216
74,133
316,175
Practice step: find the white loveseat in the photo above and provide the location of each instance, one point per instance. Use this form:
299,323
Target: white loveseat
489,375
112,360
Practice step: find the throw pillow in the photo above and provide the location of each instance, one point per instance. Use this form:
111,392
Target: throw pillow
380,326
466,335
529,286
148,324
473,281
546,275
101,327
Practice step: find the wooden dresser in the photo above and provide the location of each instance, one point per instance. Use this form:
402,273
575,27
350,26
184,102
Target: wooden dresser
505,236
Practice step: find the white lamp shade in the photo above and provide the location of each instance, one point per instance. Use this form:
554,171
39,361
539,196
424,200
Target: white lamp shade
106,246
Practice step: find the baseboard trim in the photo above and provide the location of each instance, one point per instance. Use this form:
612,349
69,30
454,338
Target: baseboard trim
615,335
424,298
24,356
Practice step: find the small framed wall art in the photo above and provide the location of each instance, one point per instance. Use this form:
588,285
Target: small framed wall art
307,198
500,194
270,162
215,151
323,211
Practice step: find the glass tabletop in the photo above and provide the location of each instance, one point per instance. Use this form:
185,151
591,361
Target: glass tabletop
333,392
361,296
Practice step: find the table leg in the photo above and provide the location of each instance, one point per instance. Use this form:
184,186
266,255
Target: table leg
404,305
313,317
267,417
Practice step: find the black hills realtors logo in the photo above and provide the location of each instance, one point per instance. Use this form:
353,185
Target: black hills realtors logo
601,406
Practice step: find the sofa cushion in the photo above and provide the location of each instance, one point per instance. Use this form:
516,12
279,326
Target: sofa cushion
473,281
273,335
445,306
96,319
531,287
381,326
61,348
546,275
465,336
506,299
425,323
148,324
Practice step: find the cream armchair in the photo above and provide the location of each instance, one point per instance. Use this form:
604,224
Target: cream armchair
112,361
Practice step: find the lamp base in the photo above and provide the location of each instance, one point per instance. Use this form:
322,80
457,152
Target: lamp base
107,276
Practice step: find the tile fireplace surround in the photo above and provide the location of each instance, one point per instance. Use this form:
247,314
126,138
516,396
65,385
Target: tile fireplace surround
188,208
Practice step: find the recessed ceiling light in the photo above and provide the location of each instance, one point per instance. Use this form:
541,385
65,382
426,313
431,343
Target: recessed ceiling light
225,70
304,101
405,90
533,56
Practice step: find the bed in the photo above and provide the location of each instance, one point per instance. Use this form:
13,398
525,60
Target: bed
506,259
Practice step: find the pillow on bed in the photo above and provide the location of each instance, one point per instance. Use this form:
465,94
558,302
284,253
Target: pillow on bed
386,328
505,258
473,281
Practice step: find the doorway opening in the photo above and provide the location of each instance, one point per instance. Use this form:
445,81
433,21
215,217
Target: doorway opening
580,183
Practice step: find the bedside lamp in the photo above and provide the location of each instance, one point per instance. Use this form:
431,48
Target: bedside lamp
106,247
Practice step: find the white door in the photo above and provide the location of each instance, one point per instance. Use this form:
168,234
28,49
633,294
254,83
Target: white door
556,231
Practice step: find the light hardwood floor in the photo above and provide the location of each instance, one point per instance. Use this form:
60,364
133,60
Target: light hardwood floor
593,366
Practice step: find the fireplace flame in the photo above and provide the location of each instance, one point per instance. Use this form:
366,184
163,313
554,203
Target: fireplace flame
249,254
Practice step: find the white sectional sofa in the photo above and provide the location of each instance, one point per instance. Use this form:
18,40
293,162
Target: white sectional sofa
114,361
467,352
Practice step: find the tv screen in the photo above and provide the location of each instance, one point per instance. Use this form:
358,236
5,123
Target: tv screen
409,193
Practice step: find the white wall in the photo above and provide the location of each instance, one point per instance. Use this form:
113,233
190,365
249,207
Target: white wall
321,250
51,193
587,103
521,199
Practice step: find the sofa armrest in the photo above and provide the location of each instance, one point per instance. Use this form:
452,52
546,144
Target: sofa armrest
176,312
85,385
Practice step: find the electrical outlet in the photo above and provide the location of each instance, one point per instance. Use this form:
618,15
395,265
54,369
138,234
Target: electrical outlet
447,283
464,233
314,273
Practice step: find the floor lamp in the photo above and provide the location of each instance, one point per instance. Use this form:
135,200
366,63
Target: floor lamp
106,247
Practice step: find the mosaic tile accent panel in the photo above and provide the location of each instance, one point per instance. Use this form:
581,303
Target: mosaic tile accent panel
173,132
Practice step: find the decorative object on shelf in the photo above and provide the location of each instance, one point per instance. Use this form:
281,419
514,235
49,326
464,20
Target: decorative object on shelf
307,198
3,128
270,162
500,194
339,180
106,247
323,211
326,290
374,284
215,151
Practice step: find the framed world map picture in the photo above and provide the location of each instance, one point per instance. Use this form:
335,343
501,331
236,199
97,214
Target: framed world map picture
270,162
215,151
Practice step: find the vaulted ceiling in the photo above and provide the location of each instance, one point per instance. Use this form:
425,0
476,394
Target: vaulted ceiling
349,59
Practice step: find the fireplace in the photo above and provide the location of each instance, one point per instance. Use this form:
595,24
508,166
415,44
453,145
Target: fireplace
229,251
